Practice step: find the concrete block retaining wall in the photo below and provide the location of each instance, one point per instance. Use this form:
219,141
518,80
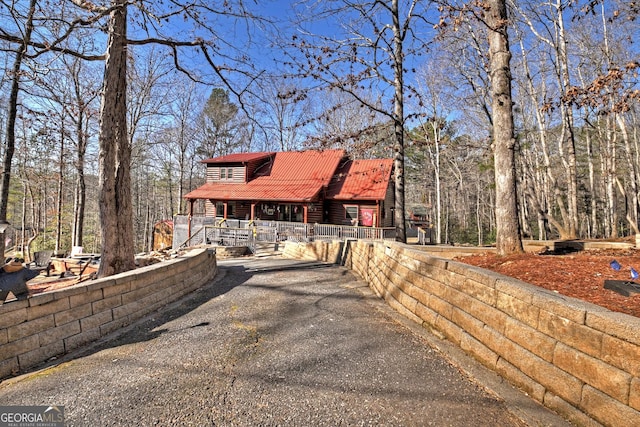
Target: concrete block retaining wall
49,324
579,359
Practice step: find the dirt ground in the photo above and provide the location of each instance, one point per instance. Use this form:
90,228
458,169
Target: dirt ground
48,284
578,274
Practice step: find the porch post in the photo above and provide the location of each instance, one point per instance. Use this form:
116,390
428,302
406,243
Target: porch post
252,215
189,215
305,213
224,215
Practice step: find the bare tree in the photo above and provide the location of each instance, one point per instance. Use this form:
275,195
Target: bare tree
150,78
115,150
577,123
282,116
115,153
435,130
183,142
83,113
344,125
27,44
493,15
508,239
376,39
71,94
557,40
10,138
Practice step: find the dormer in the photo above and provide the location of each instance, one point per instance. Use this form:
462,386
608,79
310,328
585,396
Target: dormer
236,168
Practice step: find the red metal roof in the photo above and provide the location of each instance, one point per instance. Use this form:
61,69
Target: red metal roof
361,180
293,176
239,157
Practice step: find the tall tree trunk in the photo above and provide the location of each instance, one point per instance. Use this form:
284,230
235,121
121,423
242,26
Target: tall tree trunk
147,237
567,201
36,219
80,196
116,214
609,164
170,187
568,137
479,215
632,209
181,166
398,115
436,168
547,187
432,133
60,190
12,114
594,229
508,239
23,222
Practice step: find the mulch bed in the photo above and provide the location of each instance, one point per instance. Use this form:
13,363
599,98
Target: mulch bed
579,274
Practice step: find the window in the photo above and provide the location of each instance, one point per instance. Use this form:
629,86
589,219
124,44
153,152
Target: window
226,174
351,214
220,209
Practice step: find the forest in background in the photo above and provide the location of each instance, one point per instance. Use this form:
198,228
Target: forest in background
575,90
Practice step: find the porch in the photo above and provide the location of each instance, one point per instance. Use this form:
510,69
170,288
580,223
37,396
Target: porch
234,232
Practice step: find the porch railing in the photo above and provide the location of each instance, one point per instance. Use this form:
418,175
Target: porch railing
332,232
225,236
232,232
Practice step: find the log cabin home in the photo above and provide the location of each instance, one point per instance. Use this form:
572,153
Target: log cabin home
309,186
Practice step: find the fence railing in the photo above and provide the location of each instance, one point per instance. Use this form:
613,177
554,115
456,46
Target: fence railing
332,232
225,236
233,232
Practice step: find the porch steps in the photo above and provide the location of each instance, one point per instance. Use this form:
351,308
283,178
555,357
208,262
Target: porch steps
267,248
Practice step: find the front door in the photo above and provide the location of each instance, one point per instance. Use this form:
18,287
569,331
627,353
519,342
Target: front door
290,213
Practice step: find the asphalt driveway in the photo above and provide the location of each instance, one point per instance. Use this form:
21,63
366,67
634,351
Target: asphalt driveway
275,342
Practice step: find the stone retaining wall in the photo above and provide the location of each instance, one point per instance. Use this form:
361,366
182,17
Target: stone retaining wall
49,324
579,359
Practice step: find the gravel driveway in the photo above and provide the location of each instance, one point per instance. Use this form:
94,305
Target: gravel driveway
272,342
